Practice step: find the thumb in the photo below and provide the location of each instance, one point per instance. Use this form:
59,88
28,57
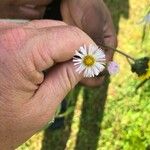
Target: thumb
58,82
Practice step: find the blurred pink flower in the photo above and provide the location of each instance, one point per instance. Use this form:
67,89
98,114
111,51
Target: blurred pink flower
113,68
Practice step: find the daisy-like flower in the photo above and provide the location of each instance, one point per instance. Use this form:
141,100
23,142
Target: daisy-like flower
113,68
89,60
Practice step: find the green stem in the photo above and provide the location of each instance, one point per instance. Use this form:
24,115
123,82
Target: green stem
120,52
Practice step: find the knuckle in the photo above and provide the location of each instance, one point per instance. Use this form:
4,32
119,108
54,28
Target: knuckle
69,77
77,33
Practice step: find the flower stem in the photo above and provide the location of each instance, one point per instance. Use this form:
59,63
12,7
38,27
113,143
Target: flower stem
120,52
143,82
124,54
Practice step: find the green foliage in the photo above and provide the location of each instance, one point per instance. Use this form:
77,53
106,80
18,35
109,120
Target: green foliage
126,124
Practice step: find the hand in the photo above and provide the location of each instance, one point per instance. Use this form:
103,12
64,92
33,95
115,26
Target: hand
28,99
93,17
23,9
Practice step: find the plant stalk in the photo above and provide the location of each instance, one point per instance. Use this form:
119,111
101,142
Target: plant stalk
120,52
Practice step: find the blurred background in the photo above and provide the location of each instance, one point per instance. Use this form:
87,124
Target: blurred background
112,117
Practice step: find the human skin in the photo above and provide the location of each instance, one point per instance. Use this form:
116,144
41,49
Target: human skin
28,99
91,16
29,49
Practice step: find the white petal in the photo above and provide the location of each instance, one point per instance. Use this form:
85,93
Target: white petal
83,50
77,60
85,47
100,56
92,49
100,66
95,48
78,63
93,72
88,72
80,68
85,72
79,54
102,62
96,70
100,53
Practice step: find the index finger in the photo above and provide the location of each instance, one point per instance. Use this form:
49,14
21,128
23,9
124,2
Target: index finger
55,45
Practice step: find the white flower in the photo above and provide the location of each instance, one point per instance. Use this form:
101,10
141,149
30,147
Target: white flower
113,68
89,60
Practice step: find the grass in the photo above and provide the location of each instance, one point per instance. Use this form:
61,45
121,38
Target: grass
120,123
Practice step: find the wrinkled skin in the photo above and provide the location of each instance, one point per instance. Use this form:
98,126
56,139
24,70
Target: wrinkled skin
91,16
28,98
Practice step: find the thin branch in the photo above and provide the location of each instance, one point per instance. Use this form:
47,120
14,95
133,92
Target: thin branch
143,82
128,61
120,52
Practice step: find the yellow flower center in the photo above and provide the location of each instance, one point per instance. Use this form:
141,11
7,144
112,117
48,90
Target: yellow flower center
89,60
